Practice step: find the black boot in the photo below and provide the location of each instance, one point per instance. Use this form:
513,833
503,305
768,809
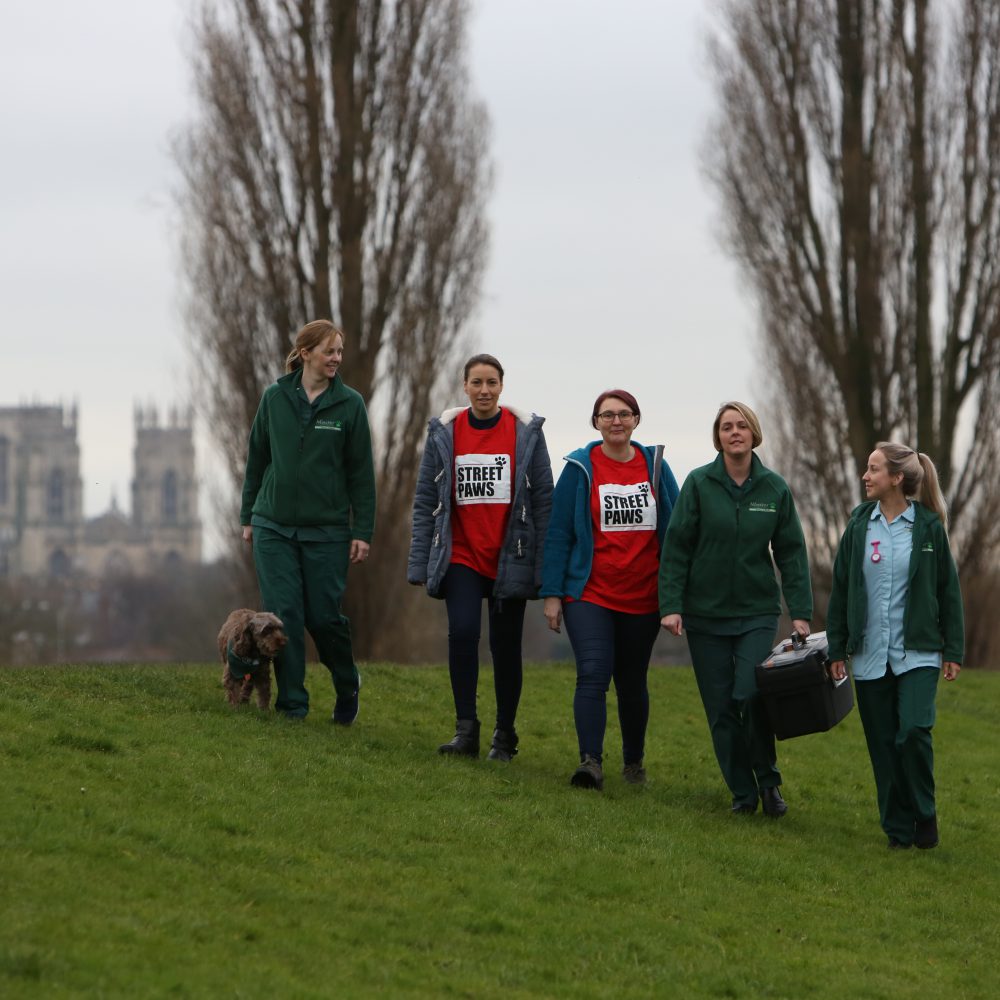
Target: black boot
504,744
465,742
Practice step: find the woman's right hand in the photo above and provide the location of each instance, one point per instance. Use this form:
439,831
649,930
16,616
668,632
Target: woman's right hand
674,624
552,609
247,533
838,670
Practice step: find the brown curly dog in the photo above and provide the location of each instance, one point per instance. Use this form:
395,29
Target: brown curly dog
248,642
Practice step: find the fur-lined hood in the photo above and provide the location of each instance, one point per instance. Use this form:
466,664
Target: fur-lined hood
451,414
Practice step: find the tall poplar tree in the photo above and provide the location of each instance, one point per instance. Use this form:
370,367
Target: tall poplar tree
857,156
337,168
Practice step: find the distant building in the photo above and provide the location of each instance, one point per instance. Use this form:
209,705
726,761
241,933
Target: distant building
42,528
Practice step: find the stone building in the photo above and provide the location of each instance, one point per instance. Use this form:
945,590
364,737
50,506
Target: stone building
42,528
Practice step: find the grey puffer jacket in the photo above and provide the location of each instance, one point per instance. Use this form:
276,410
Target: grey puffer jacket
519,571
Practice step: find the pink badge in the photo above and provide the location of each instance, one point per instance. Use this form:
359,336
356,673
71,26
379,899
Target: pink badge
876,555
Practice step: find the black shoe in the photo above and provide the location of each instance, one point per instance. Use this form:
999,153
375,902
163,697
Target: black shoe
589,774
504,745
744,808
465,742
926,834
772,802
895,844
345,709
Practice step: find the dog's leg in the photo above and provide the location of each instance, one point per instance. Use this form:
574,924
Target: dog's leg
246,690
230,684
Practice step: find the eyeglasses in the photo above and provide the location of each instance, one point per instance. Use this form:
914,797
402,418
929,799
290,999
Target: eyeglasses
608,416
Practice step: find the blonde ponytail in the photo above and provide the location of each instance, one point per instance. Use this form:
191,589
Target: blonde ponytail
930,490
293,361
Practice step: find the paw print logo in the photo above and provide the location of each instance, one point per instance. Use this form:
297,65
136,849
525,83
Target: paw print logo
644,489
501,461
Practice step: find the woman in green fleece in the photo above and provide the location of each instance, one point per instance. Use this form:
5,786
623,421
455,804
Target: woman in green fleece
717,581
309,509
896,610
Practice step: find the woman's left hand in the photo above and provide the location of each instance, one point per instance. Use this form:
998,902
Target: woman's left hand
951,669
801,626
359,550
552,609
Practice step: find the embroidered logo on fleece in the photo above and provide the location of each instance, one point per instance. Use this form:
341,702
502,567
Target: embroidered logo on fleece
927,547
329,425
762,507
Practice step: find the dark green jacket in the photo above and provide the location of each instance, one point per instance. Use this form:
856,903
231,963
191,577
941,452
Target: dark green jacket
716,560
316,474
933,619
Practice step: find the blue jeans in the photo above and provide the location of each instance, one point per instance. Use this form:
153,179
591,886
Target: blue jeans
610,645
464,592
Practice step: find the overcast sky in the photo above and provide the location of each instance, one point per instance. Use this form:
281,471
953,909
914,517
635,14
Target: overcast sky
605,268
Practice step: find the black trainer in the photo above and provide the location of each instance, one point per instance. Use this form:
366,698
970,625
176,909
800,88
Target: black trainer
345,709
926,833
504,745
465,742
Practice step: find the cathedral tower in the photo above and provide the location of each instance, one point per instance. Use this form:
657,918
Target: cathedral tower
165,489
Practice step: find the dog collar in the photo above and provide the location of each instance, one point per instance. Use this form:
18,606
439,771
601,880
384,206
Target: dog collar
240,664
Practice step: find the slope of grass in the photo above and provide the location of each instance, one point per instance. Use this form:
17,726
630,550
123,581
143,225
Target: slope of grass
155,843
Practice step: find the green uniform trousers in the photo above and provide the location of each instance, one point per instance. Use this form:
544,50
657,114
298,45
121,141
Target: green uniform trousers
303,583
741,734
897,713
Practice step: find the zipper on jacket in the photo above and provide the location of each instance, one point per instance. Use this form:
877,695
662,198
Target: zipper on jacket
437,509
736,548
437,478
524,514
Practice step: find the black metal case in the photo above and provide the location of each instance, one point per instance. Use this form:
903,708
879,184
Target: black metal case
798,693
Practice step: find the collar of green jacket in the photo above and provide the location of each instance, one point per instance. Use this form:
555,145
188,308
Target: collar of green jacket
336,393
923,518
759,472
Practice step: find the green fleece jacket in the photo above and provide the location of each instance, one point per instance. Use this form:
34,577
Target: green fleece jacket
716,559
321,473
933,618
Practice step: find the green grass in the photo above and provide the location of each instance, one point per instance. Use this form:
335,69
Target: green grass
155,843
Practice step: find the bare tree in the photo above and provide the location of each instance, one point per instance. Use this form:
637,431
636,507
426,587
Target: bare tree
338,169
858,160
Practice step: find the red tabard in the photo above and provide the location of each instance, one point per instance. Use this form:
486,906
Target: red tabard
626,563
484,489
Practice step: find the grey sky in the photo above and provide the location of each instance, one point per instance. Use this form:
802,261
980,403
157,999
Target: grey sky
605,268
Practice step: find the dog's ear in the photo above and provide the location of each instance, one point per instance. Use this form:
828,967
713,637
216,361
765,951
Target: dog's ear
264,623
243,644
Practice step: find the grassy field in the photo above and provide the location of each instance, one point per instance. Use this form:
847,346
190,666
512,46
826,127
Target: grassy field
155,843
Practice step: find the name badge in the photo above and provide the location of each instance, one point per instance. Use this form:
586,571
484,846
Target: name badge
627,508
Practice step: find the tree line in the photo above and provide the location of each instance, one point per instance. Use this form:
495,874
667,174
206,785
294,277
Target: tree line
338,166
